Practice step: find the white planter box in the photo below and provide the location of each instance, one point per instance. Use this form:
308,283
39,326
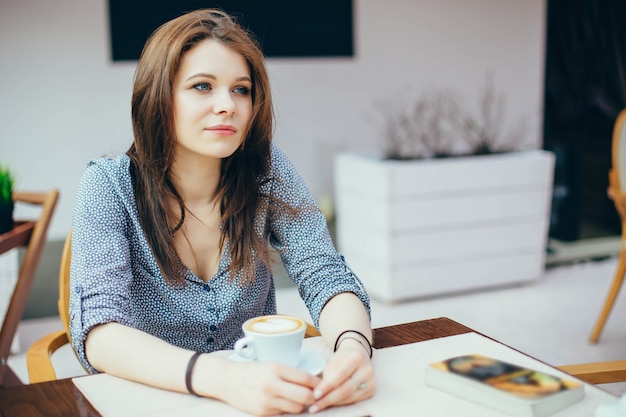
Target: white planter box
412,229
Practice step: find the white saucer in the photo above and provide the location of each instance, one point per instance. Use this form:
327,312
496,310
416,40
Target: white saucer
310,361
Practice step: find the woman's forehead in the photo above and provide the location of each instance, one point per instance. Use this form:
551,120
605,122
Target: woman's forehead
213,57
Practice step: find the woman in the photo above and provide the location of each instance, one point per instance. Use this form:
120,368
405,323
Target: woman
171,239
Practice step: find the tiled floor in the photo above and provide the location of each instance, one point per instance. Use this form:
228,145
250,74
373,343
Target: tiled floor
550,319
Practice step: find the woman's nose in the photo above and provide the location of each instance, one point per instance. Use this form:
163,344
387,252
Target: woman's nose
224,103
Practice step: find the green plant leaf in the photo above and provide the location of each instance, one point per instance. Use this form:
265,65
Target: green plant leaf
7,181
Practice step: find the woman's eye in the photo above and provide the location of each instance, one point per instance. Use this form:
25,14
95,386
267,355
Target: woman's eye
202,87
244,91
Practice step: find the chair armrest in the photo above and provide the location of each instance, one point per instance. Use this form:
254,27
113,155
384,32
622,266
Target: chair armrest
40,368
598,372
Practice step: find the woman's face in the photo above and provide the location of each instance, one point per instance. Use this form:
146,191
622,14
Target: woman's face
212,101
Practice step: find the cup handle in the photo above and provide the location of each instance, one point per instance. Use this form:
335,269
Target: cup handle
244,347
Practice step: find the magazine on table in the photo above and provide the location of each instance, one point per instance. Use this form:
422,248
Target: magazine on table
513,389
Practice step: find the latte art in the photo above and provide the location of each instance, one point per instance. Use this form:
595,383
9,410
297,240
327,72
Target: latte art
274,324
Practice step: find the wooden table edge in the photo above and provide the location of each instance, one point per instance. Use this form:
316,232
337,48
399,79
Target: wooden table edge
417,331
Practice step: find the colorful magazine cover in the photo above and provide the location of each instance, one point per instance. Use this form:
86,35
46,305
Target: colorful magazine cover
514,379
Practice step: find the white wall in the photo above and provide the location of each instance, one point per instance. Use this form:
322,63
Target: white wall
62,101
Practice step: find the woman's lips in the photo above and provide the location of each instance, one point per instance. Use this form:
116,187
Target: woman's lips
223,129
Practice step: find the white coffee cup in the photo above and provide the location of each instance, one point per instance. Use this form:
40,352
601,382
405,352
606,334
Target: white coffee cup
273,338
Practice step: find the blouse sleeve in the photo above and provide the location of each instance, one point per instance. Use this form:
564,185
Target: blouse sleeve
100,274
304,243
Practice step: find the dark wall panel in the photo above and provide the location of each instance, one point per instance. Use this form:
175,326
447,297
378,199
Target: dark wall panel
285,28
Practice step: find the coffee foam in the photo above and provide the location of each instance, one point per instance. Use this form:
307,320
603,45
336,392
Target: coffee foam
274,324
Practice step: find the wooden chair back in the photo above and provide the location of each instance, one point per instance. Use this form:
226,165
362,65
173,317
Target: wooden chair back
619,152
64,283
612,371
38,357
35,237
617,192
617,173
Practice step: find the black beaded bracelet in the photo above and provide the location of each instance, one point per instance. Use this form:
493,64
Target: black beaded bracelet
338,340
189,371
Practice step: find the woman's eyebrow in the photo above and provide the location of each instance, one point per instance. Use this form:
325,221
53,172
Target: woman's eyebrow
201,75
213,77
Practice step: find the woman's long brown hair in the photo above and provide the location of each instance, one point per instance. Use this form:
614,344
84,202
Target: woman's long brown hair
152,151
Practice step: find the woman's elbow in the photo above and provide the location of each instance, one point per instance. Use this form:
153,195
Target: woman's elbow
97,350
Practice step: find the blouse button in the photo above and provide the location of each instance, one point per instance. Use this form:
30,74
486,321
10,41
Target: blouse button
213,327
206,288
210,340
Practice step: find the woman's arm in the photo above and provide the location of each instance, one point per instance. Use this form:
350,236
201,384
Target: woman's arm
304,242
262,389
349,375
344,311
133,354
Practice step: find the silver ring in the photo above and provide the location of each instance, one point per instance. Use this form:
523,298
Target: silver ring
362,385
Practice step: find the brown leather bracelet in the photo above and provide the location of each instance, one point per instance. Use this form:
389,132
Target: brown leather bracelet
189,372
338,340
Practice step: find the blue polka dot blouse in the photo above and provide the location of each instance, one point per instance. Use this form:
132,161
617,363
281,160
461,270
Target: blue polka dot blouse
115,278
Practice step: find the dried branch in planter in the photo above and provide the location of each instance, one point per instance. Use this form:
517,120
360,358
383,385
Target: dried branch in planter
484,133
435,114
438,125
422,128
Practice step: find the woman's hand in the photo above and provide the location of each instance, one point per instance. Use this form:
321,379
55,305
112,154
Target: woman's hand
348,377
267,389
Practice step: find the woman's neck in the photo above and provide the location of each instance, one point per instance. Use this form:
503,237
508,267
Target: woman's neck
196,180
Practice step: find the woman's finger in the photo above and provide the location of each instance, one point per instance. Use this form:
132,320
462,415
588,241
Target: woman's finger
349,378
337,371
270,389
